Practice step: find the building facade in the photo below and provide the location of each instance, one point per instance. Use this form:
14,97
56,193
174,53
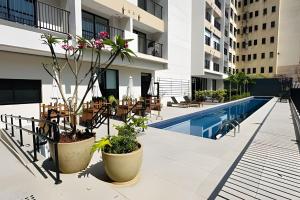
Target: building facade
268,41
24,82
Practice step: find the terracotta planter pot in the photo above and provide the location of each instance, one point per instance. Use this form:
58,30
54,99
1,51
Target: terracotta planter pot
123,167
73,157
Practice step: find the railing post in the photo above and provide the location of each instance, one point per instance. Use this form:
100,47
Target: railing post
12,126
108,116
56,140
33,139
37,139
21,131
6,127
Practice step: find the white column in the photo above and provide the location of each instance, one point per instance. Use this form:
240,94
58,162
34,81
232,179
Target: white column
75,22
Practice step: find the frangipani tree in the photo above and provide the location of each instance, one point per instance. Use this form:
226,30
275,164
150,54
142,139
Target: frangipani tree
75,49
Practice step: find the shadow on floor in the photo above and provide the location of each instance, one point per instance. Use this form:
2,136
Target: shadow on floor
96,170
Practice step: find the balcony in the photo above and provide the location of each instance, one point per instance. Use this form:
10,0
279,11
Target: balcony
217,25
218,4
208,16
112,31
207,40
151,7
149,47
36,14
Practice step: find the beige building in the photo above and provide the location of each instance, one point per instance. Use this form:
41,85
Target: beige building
268,36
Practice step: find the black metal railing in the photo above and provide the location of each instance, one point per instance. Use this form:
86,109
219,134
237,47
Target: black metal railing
296,118
149,47
112,31
153,8
37,14
52,135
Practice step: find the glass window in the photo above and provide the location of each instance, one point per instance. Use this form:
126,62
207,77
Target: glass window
111,79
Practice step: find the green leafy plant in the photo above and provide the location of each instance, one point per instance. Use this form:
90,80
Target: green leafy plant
112,100
126,139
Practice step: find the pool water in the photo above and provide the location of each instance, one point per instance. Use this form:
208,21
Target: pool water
207,123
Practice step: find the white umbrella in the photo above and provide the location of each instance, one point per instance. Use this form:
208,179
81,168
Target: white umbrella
55,90
151,87
130,88
96,92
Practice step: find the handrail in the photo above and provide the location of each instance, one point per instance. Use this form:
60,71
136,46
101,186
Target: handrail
296,118
99,118
233,123
36,134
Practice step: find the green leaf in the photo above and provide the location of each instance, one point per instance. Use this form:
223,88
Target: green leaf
101,144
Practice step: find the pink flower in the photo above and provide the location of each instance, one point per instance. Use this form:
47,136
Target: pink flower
67,47
126,44
99,44
104,35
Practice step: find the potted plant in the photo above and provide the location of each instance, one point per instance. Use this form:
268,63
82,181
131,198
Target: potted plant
122,153
74,144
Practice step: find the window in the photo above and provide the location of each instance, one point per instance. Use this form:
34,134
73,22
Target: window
272,39
249,43
207,64
20,91
237,58
256,13
256,27
243,70
263,40
262,70
238,45
270,69
272,24
262,55
249,57
250,29
254,70
255,42
273,9
248,71
214,84
265,11
216,67
250,15
109,83
243,57
264,26
271,54
93,24
254,56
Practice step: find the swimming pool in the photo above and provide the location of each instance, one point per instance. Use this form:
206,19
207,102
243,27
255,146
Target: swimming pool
207,123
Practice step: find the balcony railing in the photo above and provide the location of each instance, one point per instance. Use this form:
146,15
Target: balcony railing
37,14
149,47
112,31
152,7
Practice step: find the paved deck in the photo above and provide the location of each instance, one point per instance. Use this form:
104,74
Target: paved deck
270,168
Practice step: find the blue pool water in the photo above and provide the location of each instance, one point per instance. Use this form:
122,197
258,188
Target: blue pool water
207,123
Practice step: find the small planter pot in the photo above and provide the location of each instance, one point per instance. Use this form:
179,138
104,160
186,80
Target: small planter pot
73,157
123,167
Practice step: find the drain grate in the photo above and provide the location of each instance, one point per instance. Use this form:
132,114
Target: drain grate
31,197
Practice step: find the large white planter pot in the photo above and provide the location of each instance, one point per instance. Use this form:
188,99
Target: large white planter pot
122,167
73,157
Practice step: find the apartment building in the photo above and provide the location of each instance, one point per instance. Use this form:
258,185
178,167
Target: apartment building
23,81
268,37
218,37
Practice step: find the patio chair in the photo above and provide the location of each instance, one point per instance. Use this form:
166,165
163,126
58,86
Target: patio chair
179,104
192,103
